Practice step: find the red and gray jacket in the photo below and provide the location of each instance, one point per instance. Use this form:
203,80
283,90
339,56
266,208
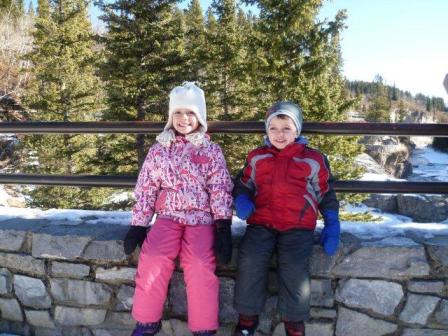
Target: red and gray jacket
287,186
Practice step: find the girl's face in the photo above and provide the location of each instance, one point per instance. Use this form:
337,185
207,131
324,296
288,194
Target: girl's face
281,132
185,121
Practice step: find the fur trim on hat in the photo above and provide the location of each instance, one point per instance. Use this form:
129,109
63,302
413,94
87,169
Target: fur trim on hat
197,138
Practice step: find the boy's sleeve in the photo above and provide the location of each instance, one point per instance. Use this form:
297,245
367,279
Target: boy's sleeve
145,192
323,186
219,186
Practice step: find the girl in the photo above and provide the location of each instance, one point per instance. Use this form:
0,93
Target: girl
184,180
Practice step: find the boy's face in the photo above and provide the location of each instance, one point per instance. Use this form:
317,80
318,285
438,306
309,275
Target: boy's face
281,131
185,121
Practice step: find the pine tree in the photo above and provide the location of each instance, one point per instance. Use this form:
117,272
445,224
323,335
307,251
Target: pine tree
195,43
379,110
228,80
300,61
143,62
64,88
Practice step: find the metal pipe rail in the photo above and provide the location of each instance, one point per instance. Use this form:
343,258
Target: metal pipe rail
117,181
236,127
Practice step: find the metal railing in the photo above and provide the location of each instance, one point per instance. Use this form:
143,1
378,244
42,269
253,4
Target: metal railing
236,127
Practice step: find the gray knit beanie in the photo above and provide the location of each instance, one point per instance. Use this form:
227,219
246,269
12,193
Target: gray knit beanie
286,108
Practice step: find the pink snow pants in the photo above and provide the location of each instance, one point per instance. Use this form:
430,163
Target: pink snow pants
166,239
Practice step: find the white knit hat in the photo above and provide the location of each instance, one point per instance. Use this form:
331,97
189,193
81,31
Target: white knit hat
187,96
191,97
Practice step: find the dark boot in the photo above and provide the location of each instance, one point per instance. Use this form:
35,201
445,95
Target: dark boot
147,329
246,326
294,328
205,333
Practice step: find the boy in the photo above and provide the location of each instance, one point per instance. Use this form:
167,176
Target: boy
279,191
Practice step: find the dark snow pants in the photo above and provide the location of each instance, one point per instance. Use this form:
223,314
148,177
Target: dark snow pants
293,249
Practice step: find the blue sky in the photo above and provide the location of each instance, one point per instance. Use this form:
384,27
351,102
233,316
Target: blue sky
404,41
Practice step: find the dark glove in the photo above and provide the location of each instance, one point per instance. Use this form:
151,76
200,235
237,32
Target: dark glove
244,206
135,236
223,241
329,238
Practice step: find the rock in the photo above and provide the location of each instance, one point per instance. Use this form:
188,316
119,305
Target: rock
385,262
418,308
352,323
391,153
381,297
68,316
80,292
31,292
384,202
423,208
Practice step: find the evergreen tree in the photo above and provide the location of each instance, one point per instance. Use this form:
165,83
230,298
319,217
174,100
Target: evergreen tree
228,81
64,88
143,62
300,61
195,43
379,109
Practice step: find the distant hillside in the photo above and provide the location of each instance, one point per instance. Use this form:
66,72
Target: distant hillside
380,102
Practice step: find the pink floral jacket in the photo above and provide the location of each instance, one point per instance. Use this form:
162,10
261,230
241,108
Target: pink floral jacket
188,183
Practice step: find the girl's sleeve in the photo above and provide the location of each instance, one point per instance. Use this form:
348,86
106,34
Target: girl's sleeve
146,191
219,186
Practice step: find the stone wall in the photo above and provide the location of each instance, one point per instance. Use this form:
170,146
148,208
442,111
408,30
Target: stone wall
74,279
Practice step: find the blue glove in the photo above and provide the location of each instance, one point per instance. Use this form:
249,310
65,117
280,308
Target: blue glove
244,206
329,238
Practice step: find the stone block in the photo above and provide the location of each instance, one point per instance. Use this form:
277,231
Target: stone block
418,308
387,262
322,294
125,298
10,310
105,251
12,240
226,311
39,318
5,281
321,264
177,294
115,275
69,270
58,247
22,263
268,316
319,329
351,323
112,332
31,292
80,292
382,297
121,319
318,313
72,317
427,287
424,332
47,332
439,255
179,328
441,315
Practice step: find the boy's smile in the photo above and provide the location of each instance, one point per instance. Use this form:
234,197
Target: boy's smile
281,131
185,121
